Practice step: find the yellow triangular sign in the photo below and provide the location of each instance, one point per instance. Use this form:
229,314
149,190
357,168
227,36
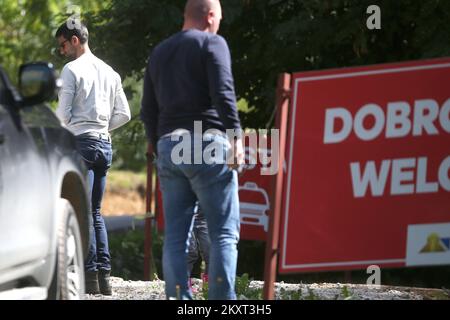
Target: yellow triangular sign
433,244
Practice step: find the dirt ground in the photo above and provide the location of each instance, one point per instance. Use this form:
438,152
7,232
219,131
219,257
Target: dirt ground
123,202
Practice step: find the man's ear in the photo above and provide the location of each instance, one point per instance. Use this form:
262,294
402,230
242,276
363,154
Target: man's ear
210,17
74,40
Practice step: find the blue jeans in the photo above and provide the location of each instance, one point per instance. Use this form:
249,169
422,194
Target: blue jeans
216,188
199,242
97,155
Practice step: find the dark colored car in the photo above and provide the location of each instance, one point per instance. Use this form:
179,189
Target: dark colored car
44,202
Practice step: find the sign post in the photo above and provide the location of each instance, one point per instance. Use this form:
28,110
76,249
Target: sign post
148,216
271,255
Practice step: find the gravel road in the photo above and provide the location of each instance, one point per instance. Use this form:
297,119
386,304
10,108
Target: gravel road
154,290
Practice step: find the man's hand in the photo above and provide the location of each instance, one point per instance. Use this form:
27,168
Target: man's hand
237,159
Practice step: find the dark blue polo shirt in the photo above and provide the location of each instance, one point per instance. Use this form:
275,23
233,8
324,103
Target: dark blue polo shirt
188,78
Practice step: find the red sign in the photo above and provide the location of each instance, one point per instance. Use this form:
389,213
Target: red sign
368,168
255,190
255,187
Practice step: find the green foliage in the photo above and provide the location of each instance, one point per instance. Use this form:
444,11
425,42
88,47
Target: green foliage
291,295
126,30
205,290
270,37
250,258
346,294
157,247
27,29
284,294
129,141
242,284
295,295
127,255
266,38
243,288
119,180
311,295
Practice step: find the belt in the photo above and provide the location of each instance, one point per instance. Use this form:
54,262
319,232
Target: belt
182,132
96,135
176,133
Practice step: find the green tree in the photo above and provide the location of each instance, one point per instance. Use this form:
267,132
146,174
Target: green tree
27,29
129,141
268,37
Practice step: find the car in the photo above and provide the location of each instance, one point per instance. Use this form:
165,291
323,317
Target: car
254,205
44,198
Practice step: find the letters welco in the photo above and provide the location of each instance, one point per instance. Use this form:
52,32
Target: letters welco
399,121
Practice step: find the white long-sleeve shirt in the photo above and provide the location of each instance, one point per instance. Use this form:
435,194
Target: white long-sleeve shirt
91,98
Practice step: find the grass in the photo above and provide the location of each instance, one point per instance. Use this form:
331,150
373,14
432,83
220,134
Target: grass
126,180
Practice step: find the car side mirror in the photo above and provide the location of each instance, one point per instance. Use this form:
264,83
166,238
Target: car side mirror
37,82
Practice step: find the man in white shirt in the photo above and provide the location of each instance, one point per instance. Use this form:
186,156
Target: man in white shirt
91,104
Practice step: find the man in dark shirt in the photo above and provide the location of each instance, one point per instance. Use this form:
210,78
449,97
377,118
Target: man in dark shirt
189,96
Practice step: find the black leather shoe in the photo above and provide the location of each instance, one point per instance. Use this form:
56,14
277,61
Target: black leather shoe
91,282
104,282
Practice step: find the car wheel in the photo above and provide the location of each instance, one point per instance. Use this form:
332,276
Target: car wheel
68,280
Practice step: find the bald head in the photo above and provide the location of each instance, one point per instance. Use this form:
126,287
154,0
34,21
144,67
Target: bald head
204,15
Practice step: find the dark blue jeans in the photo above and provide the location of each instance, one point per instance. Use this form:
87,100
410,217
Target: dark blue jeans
97,155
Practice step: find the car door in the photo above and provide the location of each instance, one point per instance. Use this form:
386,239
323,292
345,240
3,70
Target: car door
25,209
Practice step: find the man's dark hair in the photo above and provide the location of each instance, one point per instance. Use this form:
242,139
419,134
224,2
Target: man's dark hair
70,28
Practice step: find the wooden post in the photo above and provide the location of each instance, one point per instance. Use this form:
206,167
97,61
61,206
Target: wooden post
271,256
148,217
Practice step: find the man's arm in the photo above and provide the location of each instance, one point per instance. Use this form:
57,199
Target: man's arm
66,96
149,109
221,83
221,86
121,110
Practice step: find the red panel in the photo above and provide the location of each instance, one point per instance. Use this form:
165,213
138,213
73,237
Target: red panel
332,219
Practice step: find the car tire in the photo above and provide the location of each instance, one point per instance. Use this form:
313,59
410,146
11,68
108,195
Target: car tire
68,279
